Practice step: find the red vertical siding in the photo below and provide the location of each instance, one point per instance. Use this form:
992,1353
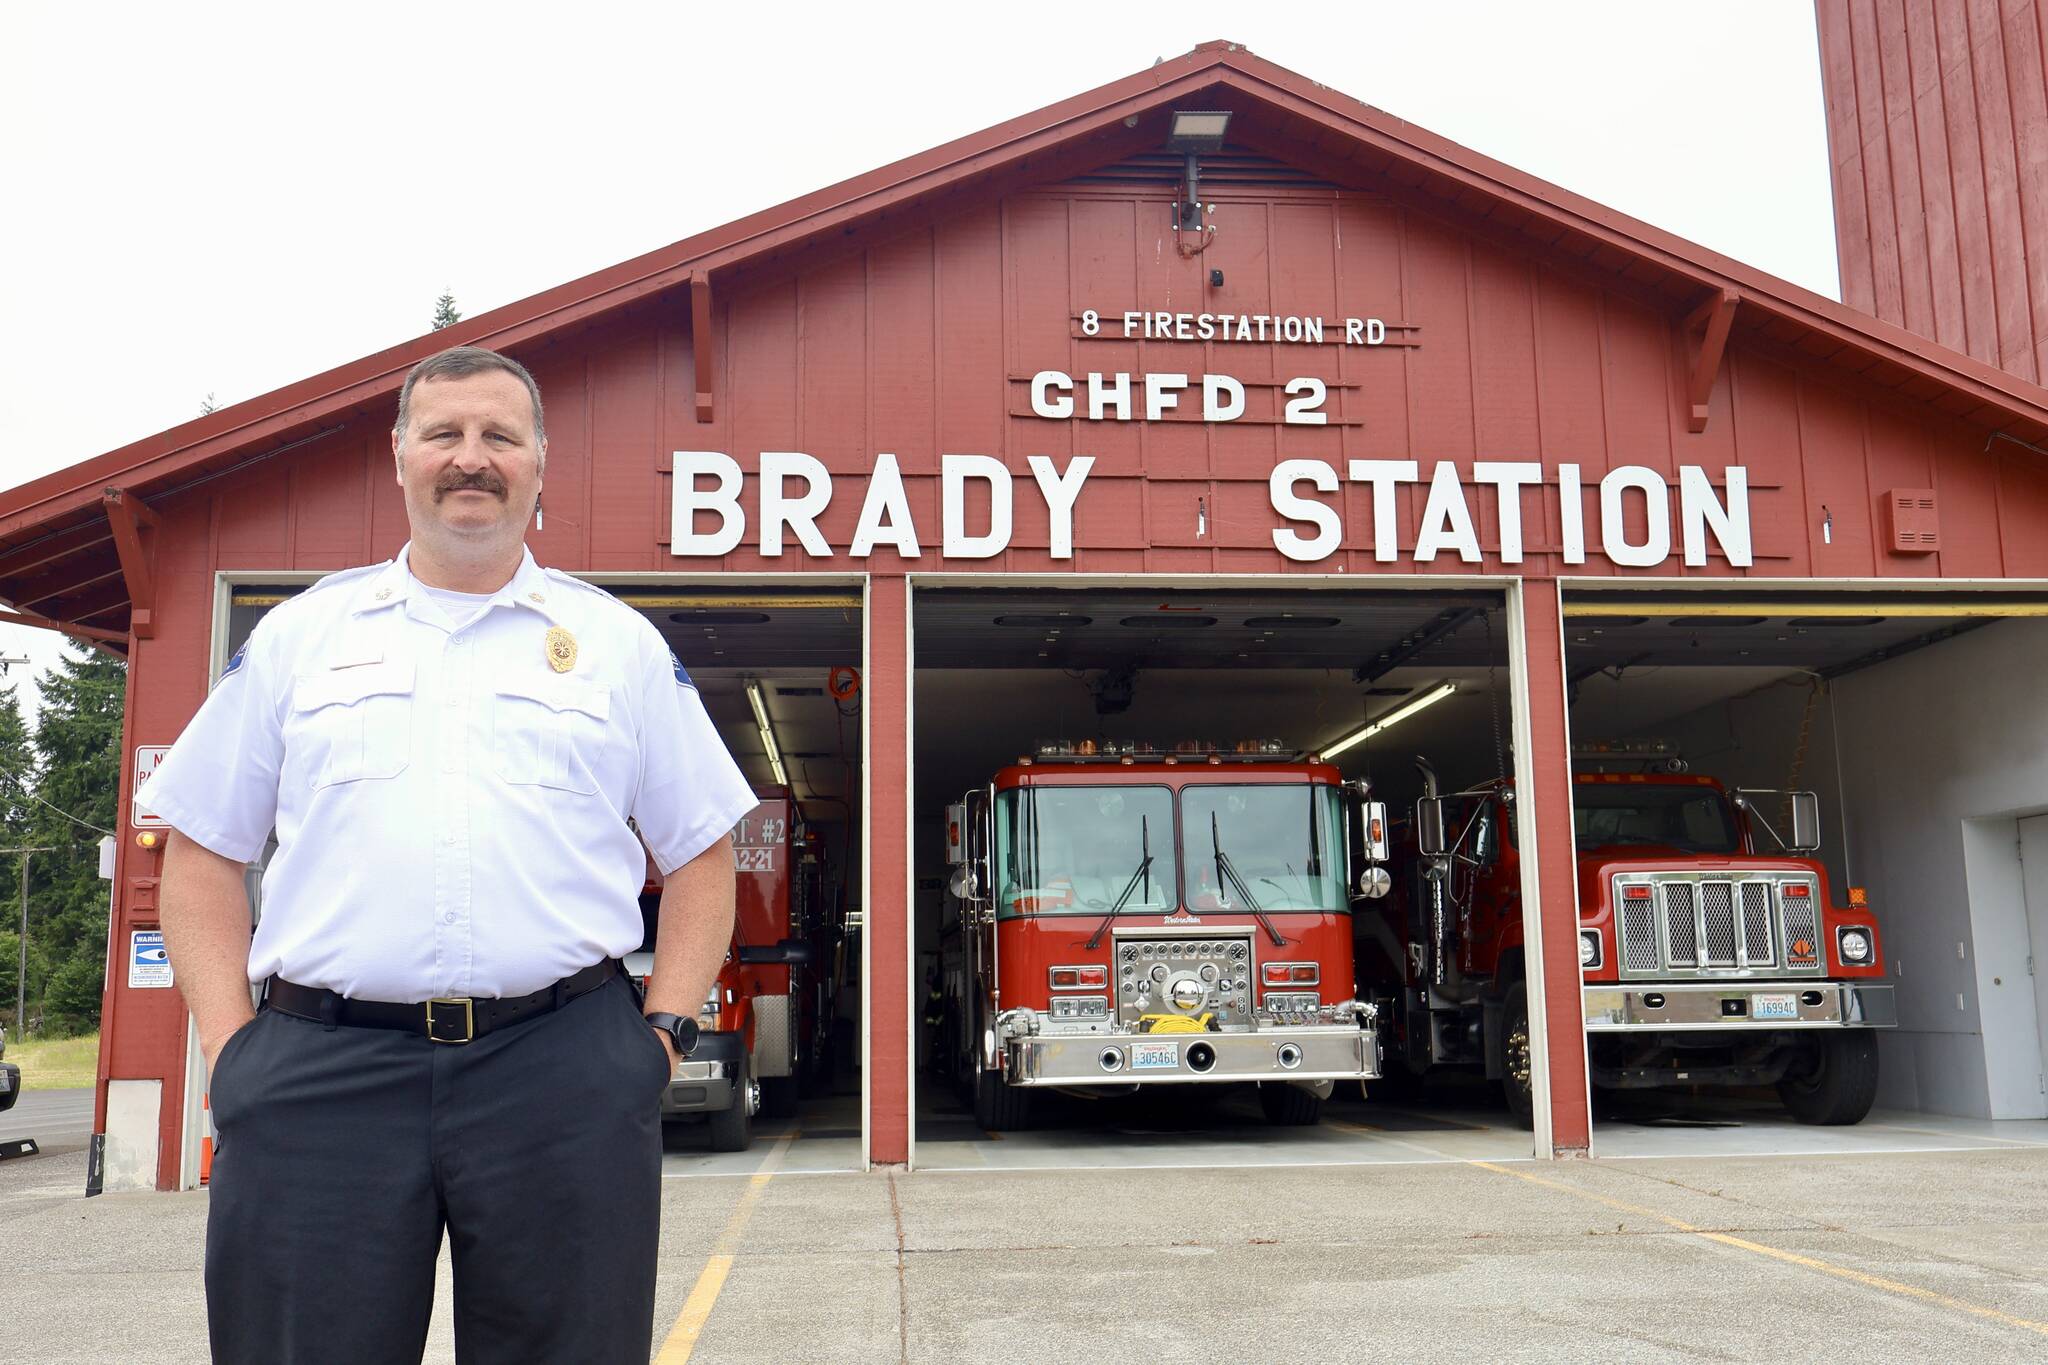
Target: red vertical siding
1938,133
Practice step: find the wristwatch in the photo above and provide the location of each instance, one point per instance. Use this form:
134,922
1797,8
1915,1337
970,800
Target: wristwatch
682,1032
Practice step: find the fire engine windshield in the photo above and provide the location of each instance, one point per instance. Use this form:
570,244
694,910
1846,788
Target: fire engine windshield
1073,850
1285,845
1694,819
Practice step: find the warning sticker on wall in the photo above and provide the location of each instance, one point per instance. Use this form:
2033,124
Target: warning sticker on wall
149,962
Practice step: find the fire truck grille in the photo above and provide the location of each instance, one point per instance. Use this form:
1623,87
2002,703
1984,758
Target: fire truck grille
1693,925
1639,935
1681,931
1717,904
1799,923
1756,923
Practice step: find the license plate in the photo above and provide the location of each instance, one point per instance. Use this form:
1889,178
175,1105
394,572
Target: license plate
1154,1056
1774,1007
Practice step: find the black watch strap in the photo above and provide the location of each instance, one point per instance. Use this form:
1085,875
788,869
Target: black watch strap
682,1032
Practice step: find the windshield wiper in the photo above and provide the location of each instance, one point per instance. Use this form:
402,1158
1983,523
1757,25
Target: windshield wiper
1227,872
1144,869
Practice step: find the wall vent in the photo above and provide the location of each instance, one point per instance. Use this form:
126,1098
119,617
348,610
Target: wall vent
1915,526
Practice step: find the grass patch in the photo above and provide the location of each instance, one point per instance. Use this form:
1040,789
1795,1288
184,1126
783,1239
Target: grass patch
55,1064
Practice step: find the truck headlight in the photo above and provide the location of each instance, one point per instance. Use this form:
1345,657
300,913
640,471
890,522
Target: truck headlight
1855,945
1589,947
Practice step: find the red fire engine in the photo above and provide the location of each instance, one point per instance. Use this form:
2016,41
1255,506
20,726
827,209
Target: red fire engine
763,1023
1132,918
1706,960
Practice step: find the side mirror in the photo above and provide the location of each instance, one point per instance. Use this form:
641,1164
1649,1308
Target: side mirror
956,834
1429,826
965,885
1805,823
1374,882
1375,816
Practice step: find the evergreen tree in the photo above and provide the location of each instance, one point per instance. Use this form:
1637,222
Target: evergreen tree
78,747
17,776
444,310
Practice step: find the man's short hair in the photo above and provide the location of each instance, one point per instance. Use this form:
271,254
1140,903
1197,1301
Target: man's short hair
460,362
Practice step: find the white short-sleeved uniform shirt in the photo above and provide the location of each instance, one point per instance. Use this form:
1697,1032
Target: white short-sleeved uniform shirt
450,809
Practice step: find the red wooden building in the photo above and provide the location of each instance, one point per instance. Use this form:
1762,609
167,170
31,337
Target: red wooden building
1371,377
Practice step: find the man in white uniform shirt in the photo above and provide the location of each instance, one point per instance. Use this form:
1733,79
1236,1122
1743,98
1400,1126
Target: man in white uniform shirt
449,746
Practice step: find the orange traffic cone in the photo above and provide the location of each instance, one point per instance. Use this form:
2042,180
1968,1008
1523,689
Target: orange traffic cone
205,1138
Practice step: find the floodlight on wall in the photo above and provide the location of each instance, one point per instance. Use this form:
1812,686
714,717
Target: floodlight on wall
1194,131
760,706
1390,719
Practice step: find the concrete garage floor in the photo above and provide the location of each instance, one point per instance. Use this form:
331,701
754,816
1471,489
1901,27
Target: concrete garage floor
1891,1256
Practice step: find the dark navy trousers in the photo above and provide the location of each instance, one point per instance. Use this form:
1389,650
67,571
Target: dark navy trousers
345,1153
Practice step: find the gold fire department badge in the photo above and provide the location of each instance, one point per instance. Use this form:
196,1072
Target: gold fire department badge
561,649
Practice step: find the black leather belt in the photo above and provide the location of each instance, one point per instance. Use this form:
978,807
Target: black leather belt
453,1019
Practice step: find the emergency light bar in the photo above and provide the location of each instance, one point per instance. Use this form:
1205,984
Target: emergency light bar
767,731
1391,718
1134,750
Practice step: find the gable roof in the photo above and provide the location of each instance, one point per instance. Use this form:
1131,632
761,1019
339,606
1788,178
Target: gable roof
54,528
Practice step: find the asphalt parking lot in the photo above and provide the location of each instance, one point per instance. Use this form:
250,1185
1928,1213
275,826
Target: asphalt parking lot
1882,1254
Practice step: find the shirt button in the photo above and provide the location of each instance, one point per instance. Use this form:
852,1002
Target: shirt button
449,837
448,918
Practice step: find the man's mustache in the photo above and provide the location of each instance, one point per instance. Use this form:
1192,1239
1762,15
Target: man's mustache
483,481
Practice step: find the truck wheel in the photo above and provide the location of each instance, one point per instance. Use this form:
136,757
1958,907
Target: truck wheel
1289,1106
1000,1108
780,1094
1836,1083
732,1128
1517,1072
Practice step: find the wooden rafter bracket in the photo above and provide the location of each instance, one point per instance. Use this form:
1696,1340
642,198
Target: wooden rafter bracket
128,515
35,622
700,340
1710,322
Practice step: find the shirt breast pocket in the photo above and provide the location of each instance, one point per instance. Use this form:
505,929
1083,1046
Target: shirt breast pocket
550,732
354,724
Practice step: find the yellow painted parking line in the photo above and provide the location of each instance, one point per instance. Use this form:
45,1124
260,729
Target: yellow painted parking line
682,1338
1743,1244
1957,1137
1382,1135
1878,1282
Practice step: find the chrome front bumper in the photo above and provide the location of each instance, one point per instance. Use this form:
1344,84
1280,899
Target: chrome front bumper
1334,1052
1696,1006
699,1088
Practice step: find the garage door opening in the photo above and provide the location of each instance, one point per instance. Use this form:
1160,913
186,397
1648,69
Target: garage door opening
778,671
1764,966
1142,795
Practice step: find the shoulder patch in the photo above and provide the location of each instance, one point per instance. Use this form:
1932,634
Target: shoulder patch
233,664
682,674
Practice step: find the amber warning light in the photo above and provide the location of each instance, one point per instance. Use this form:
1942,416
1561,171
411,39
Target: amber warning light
1859,897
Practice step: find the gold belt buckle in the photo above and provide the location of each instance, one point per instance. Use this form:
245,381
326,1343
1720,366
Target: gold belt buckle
468,1019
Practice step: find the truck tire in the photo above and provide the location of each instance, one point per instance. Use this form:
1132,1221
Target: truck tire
1517,1074
1838,1084
1000,1108
732,1128
1289,1106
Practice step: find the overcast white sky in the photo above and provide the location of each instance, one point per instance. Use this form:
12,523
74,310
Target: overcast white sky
239,195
